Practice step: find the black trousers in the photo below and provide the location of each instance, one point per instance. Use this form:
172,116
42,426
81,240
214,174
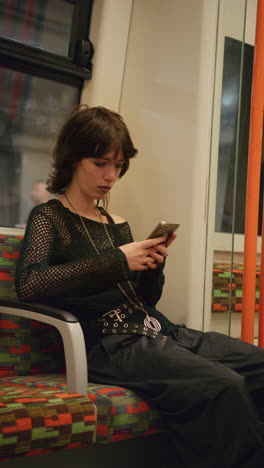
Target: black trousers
208,387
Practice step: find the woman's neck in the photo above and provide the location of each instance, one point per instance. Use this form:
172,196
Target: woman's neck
80,205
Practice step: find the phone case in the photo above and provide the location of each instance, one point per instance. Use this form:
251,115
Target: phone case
163,229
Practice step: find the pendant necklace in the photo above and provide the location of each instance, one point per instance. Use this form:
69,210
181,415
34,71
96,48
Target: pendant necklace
149,322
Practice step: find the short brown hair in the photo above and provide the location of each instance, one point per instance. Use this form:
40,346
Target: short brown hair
88,133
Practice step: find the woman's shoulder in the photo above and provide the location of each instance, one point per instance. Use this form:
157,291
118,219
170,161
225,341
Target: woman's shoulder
112,218
117,219
49,215
47,209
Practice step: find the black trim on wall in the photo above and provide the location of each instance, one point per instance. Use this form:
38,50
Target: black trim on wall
34,61
80,25
39,62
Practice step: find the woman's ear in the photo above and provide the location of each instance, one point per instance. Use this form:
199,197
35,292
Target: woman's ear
74,166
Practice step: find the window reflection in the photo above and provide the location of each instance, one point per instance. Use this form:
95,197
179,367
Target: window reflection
32,110
230,148
42,23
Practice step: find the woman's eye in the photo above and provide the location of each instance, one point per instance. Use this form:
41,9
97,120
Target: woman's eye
118,166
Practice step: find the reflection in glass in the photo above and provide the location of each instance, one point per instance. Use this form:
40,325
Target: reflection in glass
228,170
42,23
31,112
228,143
227,291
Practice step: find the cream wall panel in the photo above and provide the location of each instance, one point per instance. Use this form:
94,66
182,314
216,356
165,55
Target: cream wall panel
109,34
237,19
165,97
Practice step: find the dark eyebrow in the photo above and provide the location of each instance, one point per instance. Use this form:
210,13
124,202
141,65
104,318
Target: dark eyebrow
108,159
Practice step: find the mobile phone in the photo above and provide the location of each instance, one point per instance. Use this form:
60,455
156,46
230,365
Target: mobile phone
163,229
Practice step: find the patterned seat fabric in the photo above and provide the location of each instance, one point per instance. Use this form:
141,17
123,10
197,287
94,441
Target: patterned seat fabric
9,252
27,346
36,421
35,410
223,278
121,414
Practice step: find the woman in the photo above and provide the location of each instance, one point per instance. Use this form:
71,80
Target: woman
208,387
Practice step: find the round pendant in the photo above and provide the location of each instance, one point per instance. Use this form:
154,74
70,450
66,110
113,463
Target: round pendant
152,323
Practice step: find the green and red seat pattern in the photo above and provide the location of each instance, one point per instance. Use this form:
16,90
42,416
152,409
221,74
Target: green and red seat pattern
37,413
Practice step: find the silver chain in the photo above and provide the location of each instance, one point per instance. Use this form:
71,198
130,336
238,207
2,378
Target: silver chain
150,321
83,224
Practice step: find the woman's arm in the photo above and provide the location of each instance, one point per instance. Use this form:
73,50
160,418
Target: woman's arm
149,284
37,278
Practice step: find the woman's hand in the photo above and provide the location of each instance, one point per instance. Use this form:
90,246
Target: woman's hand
170,239
145,254
161,251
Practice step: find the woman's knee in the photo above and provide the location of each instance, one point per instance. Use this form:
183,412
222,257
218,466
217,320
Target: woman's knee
234,384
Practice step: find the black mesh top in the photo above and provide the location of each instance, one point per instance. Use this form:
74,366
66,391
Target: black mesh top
59,266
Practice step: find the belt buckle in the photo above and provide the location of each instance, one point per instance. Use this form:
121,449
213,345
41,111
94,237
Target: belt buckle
115,314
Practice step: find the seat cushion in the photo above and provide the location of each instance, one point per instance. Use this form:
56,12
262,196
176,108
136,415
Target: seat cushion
121,413
34,420
9,253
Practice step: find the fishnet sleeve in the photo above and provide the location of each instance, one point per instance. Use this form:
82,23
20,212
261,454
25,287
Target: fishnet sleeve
150,284
37,278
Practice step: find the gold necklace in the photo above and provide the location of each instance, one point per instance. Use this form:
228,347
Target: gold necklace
149,321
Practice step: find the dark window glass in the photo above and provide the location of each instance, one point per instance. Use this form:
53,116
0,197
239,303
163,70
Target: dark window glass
41,23
31,112
234,139
45,55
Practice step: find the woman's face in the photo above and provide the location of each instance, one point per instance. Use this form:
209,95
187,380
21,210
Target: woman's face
94,177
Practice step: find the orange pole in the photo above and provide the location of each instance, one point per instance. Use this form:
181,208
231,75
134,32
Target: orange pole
261,299
253,181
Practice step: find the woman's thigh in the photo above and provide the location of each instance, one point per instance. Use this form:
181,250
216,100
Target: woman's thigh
155,366
205,405
233,353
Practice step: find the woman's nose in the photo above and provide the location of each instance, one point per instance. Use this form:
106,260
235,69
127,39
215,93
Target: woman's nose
111,173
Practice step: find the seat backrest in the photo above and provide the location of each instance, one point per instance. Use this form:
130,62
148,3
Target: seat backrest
26,346
9,253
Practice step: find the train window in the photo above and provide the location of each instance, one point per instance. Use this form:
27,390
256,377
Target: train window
39,24
45,56
31,111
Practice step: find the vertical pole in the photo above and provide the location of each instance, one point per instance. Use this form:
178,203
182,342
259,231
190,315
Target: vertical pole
261,301
253,181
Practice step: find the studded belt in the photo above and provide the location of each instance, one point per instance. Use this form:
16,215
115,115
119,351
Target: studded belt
114,322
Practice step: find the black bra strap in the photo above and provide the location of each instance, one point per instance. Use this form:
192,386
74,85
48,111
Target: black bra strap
107,215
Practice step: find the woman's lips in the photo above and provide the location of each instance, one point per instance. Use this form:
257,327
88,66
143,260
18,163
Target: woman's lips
104,189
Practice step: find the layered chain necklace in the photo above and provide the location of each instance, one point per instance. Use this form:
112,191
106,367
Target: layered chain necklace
149,321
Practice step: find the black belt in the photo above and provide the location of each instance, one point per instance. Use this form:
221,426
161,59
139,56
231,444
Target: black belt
111,327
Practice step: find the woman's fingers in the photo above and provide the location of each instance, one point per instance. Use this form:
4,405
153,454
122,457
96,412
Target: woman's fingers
145,254
161,250
158,257
149,243
152,265
170,240
157,250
